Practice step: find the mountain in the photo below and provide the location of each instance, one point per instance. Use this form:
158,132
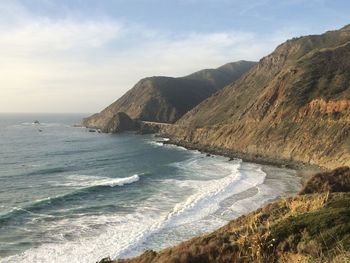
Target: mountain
312,227
292,105
224,75
166,99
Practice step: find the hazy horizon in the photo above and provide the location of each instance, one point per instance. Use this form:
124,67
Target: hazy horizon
80,56
46,113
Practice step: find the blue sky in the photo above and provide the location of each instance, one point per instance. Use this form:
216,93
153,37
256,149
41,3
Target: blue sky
81,55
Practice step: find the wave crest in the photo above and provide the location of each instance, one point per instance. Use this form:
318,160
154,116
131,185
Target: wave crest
85,181
84,184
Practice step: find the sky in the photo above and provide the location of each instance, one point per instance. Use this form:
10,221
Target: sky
70,56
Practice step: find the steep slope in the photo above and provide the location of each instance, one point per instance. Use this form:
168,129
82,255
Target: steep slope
305,228
166,99
294,104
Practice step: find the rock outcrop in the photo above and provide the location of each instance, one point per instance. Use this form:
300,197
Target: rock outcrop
120,122
166,99
293,105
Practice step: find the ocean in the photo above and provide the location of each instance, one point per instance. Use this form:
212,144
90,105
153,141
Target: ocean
70,195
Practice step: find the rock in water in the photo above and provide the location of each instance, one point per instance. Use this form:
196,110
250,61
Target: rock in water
120,122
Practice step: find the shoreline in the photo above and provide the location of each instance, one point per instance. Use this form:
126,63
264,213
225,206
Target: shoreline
269,166
272,172
303,170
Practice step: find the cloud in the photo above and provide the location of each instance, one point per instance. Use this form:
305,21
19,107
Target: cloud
71,64
46,36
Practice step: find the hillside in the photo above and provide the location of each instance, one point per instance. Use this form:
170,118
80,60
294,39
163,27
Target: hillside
293,105
166,99
313,227
224,75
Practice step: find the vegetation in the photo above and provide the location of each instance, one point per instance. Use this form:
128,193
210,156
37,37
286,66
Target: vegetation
337,180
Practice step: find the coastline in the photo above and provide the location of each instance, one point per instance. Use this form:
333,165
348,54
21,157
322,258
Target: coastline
270,168
110,139
197,247
303,170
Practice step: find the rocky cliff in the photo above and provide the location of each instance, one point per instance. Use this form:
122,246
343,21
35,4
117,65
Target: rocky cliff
294,105
166,99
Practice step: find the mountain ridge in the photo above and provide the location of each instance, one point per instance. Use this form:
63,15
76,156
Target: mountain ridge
166,99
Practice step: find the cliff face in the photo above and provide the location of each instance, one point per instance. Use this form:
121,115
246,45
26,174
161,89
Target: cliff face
294,104
165,99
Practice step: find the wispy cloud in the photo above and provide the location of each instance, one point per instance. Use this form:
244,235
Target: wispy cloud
72,64
47,35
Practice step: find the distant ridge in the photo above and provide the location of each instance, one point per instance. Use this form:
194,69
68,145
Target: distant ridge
166,99
223,75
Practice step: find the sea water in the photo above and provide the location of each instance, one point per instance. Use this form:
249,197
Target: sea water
71,195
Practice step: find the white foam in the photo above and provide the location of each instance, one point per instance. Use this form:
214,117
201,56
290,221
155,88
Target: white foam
209,194
118,232
204,202
78,181
275,188
212,180
159,142
193,208
173,146
155,143
123,234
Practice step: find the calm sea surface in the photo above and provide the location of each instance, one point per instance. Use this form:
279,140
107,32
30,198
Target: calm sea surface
69,195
